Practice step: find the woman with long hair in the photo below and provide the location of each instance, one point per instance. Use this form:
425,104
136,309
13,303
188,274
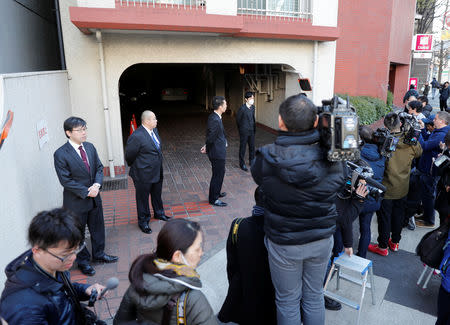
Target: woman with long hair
164,285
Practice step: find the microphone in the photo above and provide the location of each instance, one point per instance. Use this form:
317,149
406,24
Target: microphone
111,284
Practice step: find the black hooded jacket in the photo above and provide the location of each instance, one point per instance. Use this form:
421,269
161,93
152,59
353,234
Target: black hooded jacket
31,296
299,186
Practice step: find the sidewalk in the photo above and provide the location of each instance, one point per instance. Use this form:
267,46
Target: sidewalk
185,189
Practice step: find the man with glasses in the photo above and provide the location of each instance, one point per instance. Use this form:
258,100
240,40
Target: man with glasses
80,172
38,288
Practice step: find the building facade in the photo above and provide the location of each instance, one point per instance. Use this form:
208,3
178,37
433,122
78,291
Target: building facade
28,37
374,48
265,46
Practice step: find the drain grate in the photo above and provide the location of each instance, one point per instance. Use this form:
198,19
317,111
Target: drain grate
113,184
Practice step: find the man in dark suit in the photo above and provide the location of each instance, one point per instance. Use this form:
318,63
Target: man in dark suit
245,119
80,172
144,156
215,147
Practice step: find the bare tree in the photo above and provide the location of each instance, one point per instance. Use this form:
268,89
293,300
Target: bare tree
429,10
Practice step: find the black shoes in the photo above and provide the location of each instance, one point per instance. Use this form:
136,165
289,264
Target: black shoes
105,258
163,217
331,304
145,229
219,203
86,269
244,168
223,194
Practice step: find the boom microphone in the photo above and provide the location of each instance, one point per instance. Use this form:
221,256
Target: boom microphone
111,284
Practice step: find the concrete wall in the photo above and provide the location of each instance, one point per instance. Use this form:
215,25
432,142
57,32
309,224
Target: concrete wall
125,49
29,181
28,38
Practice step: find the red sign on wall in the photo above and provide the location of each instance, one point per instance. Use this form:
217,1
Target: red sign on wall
424,42
413,81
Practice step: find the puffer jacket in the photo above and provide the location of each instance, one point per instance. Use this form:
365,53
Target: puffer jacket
159,289
430,146
370,153
33,297
299,186
398,169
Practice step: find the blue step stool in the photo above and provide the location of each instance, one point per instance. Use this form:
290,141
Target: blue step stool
359,265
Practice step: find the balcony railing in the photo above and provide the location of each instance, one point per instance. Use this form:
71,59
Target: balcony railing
186,4
297,9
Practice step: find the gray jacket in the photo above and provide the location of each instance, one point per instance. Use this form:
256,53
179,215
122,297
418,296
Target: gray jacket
148,308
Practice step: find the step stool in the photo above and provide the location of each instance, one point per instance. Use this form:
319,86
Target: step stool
357,264
427,279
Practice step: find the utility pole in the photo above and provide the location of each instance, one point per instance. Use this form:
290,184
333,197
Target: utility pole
441,52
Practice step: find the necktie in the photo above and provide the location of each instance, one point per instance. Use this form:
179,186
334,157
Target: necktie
155,139
84,157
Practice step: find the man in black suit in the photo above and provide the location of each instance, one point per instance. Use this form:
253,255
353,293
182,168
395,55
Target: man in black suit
144,156
215,147
245,119
80,172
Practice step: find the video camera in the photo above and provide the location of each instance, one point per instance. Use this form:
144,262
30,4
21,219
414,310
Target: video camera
442,163
410,128
375,189
385,141
339,129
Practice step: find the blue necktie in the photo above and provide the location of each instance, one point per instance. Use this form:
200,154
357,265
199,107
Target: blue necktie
155,140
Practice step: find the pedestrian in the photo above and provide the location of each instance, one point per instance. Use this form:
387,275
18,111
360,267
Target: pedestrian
396,180
411,92
444,93
245,119
426,89
426,108
299,186
38,289
143,154
216,149
251,297
434,87
80,172
164,285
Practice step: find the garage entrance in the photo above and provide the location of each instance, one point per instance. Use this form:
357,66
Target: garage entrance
184,91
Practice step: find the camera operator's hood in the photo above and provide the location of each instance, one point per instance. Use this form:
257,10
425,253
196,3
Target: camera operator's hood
297,158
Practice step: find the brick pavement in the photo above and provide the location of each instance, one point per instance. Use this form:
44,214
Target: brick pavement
185,190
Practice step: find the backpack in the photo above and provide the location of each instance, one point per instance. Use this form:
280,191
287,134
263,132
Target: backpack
178,302
431,247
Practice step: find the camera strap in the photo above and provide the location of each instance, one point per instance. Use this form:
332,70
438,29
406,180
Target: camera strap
70,290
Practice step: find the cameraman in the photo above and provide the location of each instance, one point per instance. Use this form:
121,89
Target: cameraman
371,154
38,288
348,206
300,188
428,177
396,180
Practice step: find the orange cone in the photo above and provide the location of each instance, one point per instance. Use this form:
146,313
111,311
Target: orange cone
132,127
134,122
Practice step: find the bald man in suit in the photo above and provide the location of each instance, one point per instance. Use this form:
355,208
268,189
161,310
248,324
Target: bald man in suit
143,154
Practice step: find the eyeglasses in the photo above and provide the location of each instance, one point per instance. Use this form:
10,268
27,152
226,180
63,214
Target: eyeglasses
65,258
83,129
